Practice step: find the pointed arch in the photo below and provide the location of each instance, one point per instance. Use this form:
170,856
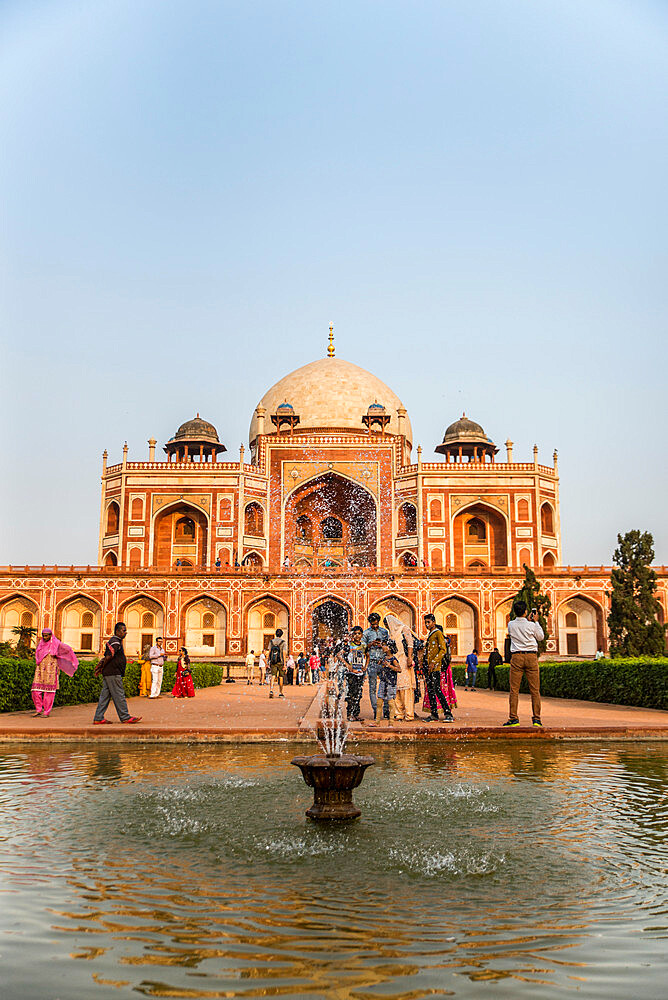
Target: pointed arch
489,537
79,623
13,614
203,626
256,635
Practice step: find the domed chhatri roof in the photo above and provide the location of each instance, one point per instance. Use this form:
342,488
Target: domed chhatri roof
197,430
465,430
332,392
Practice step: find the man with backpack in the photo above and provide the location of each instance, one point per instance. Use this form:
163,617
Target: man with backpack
277,663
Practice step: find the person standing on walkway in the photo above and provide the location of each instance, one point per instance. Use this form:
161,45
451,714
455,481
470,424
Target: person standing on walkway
156,655
250,666
277,663
386,706
436,648
314,666
145,679
471,670
495,660
374,637
302,667
525,634
290,669
262,664
355,674
112,668
184,686
51,656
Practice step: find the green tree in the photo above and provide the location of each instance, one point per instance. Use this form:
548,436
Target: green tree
635,629
530,593
25,637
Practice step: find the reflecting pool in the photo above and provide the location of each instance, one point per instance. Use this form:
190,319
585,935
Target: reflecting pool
515,869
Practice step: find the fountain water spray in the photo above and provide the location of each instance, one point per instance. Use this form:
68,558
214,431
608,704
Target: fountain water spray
333,775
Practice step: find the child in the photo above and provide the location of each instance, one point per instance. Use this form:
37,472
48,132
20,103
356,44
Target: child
387,683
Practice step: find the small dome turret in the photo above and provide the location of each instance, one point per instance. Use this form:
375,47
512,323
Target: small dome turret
196,437
466,439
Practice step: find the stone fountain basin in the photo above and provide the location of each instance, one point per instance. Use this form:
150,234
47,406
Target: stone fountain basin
333,778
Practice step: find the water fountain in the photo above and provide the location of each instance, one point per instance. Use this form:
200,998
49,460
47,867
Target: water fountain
332,774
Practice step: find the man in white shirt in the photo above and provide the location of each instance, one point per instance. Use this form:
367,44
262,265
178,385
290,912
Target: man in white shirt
525,634
250,666
156,655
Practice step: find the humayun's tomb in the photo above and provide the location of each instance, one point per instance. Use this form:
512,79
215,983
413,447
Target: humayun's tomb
328,519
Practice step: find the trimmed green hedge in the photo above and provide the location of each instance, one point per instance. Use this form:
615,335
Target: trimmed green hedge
16,679
640,681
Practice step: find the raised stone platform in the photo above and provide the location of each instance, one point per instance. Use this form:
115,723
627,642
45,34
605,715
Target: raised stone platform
241,713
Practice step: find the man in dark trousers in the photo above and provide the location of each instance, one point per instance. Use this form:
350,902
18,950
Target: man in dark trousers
495,660
436,648
112,668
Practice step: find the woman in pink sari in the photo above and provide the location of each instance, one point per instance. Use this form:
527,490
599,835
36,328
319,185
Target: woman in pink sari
184,687
51,656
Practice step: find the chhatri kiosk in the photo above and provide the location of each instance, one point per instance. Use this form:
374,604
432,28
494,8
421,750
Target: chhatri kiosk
327,517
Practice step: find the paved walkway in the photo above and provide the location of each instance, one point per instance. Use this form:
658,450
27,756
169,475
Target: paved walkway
237,712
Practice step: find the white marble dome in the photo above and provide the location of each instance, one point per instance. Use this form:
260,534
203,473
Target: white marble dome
331,392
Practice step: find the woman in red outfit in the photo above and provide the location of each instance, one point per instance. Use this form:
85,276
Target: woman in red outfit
184,687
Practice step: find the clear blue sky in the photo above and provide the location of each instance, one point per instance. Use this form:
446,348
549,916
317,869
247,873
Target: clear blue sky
473,191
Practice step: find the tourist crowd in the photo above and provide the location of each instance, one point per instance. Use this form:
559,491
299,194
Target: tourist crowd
399,668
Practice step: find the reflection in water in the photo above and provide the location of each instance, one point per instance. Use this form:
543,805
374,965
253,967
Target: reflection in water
191,872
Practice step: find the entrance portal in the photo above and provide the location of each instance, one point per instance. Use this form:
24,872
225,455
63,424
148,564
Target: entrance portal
330,619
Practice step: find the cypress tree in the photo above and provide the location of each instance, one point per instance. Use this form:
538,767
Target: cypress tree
530,593
635,629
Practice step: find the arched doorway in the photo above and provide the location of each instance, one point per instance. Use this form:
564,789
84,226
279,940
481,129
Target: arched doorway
480,536
205,628
331,619
144,620
395,606
580,624
79,621
264,617
331,520
501,619
180,532
459,622
18,613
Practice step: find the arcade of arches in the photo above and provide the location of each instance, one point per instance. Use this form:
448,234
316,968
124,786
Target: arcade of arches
330,521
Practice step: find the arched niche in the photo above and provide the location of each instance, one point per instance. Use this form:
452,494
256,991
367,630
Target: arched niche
112,518
396,606
480,534
254,519
204,628
501,619
549,561
407,520
79,623
580,626
332,618
180,531
110,560
547,519
263,617
145,621
328,500
459,620
17,612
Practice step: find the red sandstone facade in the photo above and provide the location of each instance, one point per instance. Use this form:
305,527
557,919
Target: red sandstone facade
325,522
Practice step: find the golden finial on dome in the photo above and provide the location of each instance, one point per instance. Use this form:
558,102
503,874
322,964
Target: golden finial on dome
330,349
